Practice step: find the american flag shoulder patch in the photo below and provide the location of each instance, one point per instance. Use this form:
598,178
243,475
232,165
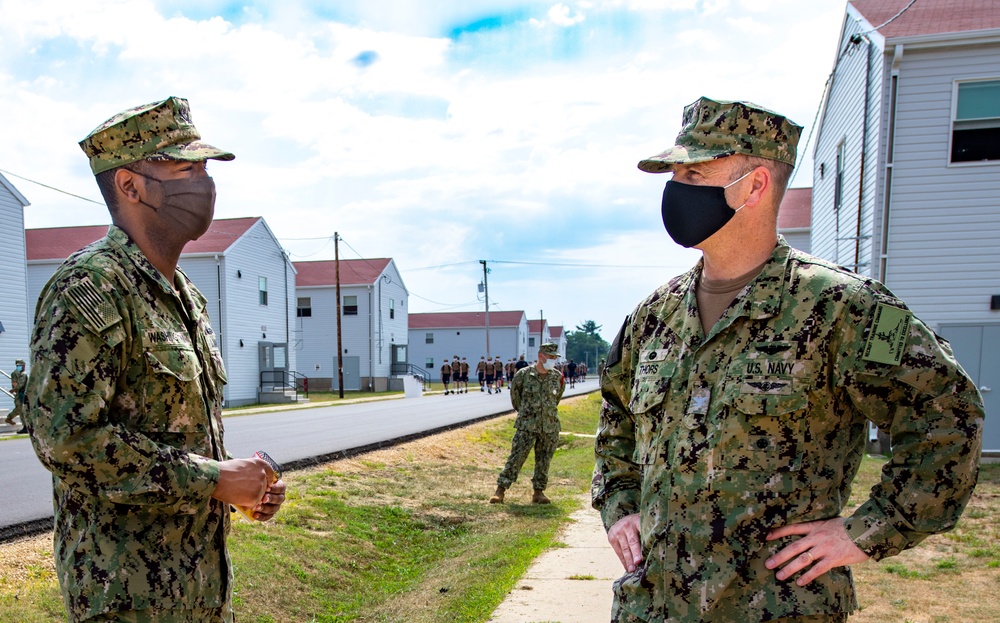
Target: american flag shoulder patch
97,313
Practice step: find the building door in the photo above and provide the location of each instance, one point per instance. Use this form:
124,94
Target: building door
399,361
352,374
273,364
977,348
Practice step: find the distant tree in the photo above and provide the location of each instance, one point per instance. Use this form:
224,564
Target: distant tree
586,345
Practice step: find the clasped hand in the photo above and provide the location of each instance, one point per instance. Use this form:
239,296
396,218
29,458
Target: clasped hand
247,483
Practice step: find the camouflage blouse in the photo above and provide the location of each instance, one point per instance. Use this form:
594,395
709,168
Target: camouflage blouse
715,439
125,403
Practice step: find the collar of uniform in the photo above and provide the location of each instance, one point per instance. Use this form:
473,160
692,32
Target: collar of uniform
680,291
766,289
764,298
130,249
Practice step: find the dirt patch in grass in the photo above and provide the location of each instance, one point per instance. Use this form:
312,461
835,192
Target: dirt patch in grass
26,560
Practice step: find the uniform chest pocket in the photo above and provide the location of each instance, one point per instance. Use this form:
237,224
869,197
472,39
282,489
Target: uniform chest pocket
651,408
650,386
764,432
172,401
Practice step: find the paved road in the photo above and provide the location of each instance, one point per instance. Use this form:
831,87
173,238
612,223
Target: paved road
290,436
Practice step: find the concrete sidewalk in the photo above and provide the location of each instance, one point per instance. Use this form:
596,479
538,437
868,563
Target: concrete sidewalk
549,591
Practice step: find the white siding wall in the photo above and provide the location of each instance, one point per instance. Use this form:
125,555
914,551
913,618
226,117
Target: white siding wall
14,305
944,227
832,235
39,273
797,239
390,330
256,254
505,342
358,333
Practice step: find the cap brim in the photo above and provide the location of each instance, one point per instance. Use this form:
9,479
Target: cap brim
680,154
193,151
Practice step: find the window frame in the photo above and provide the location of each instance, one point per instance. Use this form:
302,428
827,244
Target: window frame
988,122
303,311
349,310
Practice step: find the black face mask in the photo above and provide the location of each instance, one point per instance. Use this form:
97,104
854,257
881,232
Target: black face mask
692,214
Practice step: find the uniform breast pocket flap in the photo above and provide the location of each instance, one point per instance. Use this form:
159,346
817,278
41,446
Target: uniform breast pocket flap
180,363
766,432
650,386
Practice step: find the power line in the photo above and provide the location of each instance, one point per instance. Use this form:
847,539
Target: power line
58,190
893,18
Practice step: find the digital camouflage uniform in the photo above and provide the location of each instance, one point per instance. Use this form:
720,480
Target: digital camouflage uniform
125,401
18,382
536,400
714,440
126,395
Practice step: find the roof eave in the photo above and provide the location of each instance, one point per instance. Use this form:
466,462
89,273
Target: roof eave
945,39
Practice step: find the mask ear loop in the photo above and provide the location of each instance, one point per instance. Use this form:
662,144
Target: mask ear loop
735,210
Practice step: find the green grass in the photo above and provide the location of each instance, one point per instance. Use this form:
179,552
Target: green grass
403,534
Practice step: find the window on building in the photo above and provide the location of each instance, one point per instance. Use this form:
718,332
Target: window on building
838,181
429,364
262,289
975,131
304,309
428,338
392,308
350,305
531,342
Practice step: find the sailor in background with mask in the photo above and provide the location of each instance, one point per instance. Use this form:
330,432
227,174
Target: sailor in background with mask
126,389
736,398
535,393
18,382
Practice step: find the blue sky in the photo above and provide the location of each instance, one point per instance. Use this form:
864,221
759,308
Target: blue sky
438,133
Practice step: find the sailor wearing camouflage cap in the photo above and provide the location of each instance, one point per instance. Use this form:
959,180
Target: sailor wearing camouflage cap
535,393
736,402
126,391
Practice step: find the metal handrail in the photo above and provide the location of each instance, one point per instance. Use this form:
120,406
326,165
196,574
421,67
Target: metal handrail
301,383
400,369
280,378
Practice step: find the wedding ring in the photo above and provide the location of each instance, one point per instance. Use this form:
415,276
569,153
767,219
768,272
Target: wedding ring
811,558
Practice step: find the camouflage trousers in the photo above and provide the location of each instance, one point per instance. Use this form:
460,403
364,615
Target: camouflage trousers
524,440
18,407
198,615
620,616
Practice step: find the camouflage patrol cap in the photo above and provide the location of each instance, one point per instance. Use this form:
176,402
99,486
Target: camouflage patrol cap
157,131
549,348
718,129
19,361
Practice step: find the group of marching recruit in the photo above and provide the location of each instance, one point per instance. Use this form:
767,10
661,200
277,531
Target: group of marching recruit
492,373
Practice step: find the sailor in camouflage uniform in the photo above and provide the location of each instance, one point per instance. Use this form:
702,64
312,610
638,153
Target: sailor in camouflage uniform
18,381
535,394
126,389
736,398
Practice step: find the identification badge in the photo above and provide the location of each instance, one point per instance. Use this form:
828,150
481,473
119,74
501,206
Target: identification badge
887,337
699,401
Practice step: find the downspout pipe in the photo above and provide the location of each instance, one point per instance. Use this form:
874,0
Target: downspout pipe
857,39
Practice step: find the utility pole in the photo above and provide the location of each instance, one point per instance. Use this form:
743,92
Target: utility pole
541,328
486,292
340,340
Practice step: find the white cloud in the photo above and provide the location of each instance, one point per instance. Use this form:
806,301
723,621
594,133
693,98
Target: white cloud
560,16
517,143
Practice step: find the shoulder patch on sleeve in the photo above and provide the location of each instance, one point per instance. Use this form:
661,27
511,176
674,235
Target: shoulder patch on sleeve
615,353
96,312
887,334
